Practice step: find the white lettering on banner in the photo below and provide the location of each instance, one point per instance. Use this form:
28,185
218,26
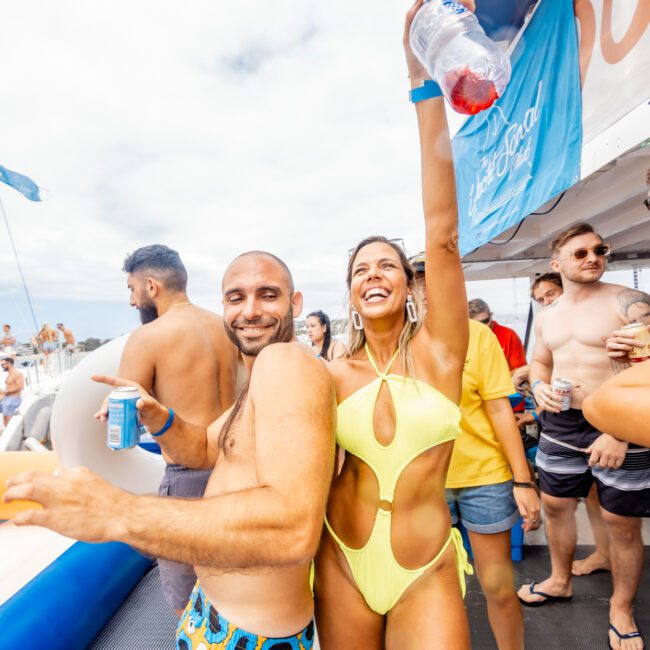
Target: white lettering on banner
508,159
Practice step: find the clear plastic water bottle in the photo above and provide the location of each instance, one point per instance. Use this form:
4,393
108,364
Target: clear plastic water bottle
471,70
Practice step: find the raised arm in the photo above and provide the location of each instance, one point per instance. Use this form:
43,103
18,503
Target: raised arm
276,523
446,318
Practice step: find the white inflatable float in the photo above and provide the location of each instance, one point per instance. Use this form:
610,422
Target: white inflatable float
79,439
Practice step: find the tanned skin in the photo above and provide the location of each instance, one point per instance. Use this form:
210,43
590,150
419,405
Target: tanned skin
253,535
431,611
571,339
621,405
183,358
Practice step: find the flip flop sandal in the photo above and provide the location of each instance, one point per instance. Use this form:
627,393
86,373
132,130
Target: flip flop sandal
548,598
622,637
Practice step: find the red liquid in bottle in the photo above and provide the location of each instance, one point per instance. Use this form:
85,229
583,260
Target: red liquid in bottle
470,94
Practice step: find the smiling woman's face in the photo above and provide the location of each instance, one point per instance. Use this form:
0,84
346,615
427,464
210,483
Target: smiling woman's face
378,286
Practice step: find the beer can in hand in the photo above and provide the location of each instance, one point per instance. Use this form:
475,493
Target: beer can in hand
123,426
562,388
641,335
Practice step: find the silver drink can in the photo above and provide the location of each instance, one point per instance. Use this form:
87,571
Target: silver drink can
563,388
123,426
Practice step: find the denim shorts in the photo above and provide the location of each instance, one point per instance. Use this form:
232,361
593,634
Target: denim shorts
484,508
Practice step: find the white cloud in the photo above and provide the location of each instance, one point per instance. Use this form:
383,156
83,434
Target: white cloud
212,127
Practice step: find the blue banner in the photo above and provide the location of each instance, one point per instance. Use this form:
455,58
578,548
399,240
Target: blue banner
525,149
23,184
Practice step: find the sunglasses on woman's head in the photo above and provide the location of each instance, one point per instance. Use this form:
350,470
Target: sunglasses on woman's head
601,250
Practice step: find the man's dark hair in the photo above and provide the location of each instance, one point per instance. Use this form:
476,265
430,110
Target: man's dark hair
324,320
7,325
555,278
161,262
8,360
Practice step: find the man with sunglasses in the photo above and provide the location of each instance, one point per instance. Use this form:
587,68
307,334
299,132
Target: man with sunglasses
570,344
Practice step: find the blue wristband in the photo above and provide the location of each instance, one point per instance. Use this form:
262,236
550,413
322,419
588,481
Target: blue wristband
532,388
170,421
428,90
535,416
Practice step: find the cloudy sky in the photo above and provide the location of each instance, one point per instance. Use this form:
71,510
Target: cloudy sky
212,127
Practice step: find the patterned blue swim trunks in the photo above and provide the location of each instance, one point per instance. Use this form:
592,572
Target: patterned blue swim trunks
201,626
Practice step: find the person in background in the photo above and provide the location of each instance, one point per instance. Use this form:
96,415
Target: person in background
68,336
510,343
481,492
8,343
546,289
319,331
10,398
48,338
573,455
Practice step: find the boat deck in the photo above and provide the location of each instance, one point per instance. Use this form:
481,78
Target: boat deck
145,621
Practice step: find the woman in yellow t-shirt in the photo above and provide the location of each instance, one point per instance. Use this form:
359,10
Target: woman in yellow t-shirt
480,488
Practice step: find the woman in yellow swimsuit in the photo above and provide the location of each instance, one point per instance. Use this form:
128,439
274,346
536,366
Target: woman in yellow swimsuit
390,571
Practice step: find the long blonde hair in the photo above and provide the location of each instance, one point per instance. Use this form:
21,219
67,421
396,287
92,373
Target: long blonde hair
357,338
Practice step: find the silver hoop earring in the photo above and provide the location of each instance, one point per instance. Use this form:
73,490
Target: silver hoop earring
356,320
410,310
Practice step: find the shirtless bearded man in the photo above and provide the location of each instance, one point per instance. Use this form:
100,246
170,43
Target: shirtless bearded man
571,335
253,535
182,356
10,398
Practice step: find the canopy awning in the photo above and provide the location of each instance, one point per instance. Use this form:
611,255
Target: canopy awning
611,199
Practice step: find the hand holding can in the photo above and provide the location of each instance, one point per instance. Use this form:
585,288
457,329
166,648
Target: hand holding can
147,411
546,398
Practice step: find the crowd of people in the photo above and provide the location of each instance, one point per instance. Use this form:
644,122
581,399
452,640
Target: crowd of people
249,419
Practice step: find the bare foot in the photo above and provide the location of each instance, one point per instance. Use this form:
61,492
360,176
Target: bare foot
624,622
549,587
593,562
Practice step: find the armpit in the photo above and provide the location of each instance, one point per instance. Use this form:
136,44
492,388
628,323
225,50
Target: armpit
634,306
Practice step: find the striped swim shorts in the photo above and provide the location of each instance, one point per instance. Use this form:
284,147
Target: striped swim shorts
564,471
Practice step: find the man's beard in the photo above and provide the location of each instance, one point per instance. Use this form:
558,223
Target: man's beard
578,279
282,334
148,312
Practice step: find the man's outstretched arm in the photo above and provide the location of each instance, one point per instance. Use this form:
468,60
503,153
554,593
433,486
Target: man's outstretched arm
276,523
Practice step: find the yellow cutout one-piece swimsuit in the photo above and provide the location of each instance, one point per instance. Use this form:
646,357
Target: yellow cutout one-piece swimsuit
424,418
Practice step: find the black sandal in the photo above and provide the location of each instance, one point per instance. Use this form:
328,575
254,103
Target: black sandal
622,637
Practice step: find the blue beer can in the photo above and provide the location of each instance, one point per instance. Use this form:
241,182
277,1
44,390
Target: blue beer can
123,425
